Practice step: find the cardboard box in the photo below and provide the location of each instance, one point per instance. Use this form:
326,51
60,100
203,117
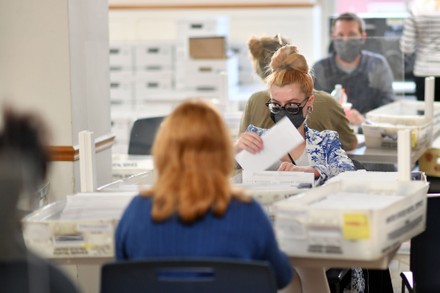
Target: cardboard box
121,88
120,56
203,26
429,162
207,48
206,75
148,83
157,55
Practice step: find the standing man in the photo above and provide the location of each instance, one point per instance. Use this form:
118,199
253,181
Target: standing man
366,76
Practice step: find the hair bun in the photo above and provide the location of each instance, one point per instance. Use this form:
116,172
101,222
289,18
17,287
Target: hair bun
289,58
255,47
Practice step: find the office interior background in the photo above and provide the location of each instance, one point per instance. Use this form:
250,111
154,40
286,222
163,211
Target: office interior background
150,62
89,66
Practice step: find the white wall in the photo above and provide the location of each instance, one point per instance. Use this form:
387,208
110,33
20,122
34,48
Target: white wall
54,60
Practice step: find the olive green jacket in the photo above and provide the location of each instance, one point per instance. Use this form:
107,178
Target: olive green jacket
327,114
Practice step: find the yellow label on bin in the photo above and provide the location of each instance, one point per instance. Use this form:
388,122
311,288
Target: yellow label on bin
414,136
356,226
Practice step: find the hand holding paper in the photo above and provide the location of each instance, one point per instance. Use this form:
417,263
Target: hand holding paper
279,140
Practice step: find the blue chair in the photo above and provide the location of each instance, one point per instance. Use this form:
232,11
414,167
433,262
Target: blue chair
188,275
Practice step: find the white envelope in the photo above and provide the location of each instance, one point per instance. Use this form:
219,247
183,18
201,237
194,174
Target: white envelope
278,141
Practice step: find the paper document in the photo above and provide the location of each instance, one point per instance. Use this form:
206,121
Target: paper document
278,177
278,141
89,206
356,201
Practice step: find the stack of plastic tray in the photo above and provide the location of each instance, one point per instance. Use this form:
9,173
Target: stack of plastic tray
351,219
382,124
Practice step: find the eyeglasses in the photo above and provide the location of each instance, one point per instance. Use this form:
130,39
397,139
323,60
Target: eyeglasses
291,107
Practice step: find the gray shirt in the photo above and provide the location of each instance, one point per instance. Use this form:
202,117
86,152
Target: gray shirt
369,86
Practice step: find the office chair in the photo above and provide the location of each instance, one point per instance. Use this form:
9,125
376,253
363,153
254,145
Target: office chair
188,275
338,279
425,254
33,275
142,135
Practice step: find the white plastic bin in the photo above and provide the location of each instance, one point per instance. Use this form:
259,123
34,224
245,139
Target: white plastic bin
82,226
351,219
402,115
385,134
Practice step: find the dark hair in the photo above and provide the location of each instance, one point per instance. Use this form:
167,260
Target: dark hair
25,135
348,16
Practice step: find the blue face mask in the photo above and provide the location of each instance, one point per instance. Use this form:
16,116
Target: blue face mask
296,119
348,50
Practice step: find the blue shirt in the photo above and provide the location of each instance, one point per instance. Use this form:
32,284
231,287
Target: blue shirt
243,232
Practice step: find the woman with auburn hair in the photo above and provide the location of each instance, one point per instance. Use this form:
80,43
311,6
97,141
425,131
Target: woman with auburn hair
291,95
327,112
192,210
290,87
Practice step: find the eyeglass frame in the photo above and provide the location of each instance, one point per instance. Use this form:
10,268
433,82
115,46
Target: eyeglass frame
298,106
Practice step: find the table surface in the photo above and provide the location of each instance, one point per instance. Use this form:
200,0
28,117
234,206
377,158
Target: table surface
380,155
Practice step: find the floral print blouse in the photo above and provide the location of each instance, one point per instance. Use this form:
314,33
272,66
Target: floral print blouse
324,152
326,155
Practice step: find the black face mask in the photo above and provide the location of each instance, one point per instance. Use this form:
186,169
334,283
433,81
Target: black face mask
296,119
348,50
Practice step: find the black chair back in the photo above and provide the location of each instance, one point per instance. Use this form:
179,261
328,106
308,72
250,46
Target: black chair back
142,135
185,276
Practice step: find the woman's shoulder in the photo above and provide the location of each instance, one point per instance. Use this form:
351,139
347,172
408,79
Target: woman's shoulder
258,99
139,200
325,99
260,95
251,206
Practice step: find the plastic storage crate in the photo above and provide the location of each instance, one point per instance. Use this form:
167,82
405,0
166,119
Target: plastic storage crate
382,124
350,219
83,226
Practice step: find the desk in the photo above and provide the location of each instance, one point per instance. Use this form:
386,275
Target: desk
381,156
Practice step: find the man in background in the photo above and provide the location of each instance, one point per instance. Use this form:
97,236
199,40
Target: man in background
366,76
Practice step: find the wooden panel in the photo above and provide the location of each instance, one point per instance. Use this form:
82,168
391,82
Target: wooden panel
71,153
208,6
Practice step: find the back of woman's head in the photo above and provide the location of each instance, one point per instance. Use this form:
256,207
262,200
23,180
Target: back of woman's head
261,50
26,134
289,66
24,154
194,159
